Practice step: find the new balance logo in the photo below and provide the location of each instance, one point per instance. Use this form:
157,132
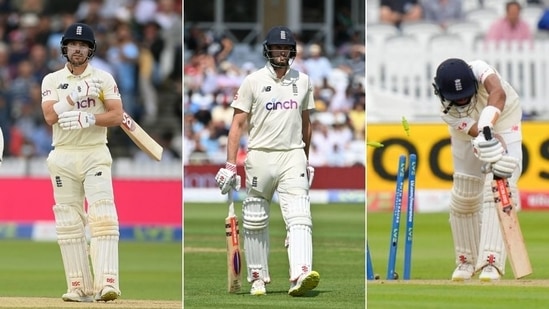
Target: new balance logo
266,89
63,86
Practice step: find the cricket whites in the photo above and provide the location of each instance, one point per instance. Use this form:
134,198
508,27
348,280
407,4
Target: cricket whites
234,263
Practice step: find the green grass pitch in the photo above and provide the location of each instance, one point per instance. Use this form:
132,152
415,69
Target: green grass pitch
148,271
433,264
338,255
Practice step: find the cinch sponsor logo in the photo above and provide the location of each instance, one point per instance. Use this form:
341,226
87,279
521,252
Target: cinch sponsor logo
291,104
85,103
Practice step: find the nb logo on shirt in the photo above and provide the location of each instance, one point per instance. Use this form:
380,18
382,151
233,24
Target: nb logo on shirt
63,86
266,89
291,104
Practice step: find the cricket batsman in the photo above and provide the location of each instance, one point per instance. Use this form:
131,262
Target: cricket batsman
80,102
474,96
273,104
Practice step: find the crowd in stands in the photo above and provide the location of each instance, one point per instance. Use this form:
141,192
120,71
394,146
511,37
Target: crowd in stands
215,66
508,26
138,41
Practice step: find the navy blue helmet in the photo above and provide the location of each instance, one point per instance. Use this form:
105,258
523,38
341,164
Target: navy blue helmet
455,80
78,32
279,35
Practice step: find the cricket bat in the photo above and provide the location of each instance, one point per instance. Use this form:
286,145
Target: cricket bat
509,223
143,140
234,263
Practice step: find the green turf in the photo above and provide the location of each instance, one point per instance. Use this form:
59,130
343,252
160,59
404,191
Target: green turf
338,243
433,264
147,270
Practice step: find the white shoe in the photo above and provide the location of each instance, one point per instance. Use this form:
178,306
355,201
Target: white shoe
463,272
78,296
258,288
107,293
489,273
304,283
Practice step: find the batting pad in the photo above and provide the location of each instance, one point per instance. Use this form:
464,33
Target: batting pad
491,248
255,221
103,222
296,211
71,238
465,216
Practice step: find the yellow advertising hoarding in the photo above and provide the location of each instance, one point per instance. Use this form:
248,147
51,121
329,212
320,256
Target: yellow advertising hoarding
431,143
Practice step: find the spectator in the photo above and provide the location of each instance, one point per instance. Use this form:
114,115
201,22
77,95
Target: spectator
317,65
396,12
443,12
299,61
316,157
510,27
357,117
149,69
123,55
543,22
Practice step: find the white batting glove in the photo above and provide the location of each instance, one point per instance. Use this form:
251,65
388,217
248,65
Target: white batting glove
75,120
487,151
86,88
310,173
227,178
505,166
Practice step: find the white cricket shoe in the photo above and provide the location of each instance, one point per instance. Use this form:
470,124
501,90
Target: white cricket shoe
107,293
304,283
258,288
489,273
463,272
78,296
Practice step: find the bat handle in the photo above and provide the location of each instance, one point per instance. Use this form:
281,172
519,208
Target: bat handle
231,203
487,133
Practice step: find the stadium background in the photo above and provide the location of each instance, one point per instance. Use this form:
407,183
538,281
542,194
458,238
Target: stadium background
30,48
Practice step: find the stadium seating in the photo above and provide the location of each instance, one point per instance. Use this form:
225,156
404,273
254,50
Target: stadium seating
421,30
484,17
469,32
401,70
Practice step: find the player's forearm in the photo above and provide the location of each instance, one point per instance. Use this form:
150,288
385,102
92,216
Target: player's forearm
112,118
233,144
50,116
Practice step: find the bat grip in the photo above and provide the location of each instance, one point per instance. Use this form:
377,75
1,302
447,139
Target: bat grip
487,133
488,136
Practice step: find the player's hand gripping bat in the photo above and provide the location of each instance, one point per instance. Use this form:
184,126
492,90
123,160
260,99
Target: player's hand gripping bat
509,223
